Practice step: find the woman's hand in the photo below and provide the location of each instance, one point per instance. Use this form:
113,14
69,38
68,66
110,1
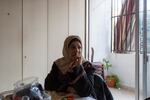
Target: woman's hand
75,62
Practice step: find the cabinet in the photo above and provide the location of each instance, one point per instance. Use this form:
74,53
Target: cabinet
57,28
77,19
10,43
65,17
32,33
23,41
35,39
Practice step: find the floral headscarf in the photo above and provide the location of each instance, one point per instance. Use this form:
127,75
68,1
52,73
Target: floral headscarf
63,63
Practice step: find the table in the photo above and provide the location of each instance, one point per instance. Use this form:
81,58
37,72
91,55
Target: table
85,98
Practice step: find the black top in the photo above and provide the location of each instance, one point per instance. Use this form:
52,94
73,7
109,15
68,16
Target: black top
83,85
56,81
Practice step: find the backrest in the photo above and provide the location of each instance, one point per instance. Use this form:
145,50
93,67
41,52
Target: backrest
97,65
99,68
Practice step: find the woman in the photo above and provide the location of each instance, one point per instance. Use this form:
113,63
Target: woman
72,73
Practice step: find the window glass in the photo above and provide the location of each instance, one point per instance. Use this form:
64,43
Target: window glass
124,26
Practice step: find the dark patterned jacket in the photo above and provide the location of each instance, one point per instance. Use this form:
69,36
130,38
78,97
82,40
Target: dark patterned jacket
88,84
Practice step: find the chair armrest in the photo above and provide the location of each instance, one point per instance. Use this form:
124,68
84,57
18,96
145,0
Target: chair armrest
99,68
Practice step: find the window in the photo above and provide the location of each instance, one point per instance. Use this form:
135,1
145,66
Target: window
141,26
124,26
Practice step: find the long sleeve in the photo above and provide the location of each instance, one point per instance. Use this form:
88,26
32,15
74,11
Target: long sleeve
101,89
55,81
84,84
51,81
80,79
84,87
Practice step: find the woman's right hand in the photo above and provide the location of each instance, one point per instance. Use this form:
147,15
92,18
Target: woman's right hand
75,62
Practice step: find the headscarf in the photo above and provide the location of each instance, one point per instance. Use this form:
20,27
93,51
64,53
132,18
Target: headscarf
63,63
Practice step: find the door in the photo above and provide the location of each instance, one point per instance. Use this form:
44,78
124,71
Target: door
35,39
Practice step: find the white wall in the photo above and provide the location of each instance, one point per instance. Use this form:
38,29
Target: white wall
100,28
124,66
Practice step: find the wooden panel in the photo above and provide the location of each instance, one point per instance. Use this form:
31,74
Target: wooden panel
10,43
77,18
57,29
35,39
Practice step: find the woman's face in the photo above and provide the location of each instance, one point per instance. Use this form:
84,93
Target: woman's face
75,50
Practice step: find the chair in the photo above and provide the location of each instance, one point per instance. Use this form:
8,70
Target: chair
97,65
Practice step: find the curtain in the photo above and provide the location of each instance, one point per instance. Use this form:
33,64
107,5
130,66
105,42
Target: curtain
125,28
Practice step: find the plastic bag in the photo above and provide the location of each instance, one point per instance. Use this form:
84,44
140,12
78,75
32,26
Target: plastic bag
29,89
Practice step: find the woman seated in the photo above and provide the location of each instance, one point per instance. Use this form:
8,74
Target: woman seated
73,74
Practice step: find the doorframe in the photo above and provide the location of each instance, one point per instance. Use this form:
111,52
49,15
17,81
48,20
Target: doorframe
145,49
137,94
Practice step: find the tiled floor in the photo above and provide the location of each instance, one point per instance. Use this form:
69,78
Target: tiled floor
122,94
